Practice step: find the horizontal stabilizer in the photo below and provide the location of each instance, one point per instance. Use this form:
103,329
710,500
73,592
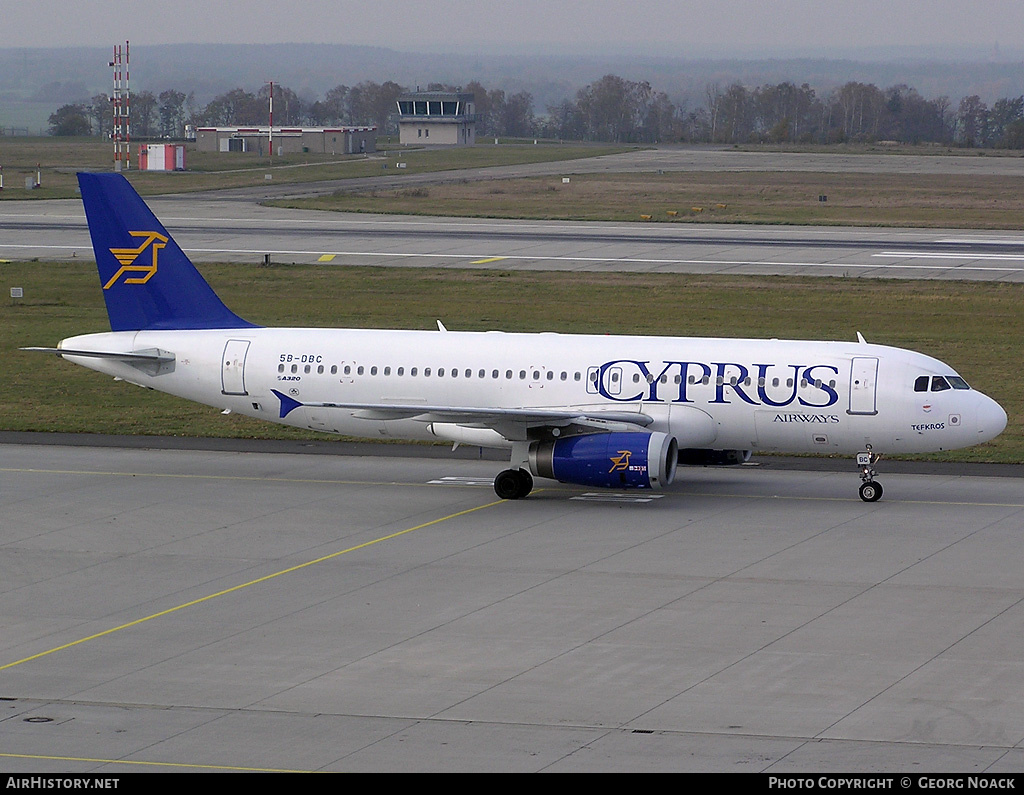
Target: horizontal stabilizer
146,355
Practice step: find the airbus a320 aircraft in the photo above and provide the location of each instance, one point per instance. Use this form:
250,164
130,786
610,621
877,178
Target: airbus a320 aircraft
612,411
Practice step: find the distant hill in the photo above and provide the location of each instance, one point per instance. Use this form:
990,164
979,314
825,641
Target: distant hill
34,82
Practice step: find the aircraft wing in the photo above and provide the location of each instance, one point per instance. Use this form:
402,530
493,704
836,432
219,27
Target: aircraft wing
497,418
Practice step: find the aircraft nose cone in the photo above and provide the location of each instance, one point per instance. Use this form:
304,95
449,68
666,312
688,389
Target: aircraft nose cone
991,419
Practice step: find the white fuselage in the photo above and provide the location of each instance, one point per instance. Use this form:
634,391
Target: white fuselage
772,395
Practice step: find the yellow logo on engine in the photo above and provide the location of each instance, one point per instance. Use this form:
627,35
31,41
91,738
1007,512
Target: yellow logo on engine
620,463
153,241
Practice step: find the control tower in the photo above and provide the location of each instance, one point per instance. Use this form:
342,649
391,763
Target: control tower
436,118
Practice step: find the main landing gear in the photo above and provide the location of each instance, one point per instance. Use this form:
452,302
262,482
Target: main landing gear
513,484
870,490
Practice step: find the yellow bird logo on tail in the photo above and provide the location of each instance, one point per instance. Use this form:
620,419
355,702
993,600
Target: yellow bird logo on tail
154,241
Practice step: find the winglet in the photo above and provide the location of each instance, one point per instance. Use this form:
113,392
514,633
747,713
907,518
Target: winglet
288,405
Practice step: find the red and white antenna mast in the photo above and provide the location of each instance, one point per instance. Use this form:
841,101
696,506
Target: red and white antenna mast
121,133
271,136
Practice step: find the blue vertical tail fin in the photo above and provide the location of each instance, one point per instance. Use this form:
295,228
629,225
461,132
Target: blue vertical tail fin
148,282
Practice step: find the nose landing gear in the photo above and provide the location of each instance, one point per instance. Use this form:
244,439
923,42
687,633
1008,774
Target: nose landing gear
870,490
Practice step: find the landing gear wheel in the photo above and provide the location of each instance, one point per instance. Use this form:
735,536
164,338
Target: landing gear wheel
870,491
513,484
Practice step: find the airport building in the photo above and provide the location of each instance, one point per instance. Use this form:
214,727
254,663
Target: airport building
288,140
436,118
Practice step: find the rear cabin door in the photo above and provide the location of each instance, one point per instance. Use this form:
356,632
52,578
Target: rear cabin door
232,371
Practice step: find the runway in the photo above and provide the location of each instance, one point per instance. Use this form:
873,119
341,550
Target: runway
230,226
243,233
234,609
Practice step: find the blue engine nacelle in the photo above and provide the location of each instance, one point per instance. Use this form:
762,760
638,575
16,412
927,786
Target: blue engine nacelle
611,460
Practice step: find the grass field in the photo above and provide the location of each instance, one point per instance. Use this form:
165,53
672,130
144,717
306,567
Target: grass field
924,200
975,327
56,160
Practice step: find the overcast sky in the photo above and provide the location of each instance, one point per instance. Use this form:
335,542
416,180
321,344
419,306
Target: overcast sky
676,27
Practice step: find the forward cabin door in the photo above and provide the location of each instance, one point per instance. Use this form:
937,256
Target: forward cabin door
232,371
863,385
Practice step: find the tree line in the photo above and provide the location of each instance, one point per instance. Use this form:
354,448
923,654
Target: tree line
611,109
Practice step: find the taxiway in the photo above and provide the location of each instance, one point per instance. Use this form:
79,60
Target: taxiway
233,609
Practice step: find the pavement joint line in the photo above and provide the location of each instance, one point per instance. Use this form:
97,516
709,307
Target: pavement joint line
191,475
98,760
799,497
241,586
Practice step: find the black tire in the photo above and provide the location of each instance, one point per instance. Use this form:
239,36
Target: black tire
525,483
870,491
508,484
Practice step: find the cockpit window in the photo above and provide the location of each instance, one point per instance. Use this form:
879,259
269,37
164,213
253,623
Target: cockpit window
939,383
